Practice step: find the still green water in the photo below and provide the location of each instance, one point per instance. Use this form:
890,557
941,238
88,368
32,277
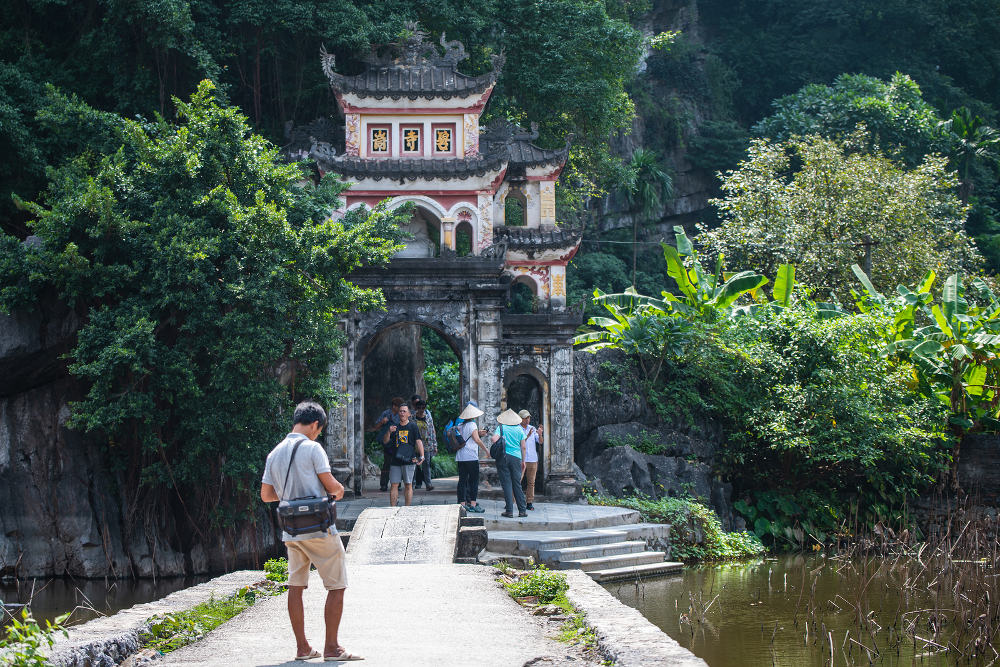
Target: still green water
758,617
88,598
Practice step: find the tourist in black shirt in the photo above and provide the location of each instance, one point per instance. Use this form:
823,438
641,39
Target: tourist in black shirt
406,449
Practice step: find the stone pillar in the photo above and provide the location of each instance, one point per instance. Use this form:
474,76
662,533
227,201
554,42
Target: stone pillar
561,481
557,287
448,233
339,433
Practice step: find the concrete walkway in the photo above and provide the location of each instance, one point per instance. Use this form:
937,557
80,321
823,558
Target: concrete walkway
420,611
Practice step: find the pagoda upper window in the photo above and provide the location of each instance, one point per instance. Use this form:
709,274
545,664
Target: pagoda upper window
444,138
378,139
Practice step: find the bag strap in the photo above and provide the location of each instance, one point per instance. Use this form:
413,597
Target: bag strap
295,449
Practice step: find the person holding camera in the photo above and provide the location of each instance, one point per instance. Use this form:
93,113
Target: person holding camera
406,449
299,468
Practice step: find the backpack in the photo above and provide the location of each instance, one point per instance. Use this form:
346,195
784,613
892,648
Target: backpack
453,437
499,448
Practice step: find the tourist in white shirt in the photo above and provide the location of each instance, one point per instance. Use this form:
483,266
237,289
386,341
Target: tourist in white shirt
467,458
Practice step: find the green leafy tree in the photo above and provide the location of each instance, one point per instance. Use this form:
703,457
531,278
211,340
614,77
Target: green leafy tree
209,280
893,113
811,203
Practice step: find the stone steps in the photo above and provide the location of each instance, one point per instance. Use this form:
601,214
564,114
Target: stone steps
648,570
613,562
548,556
607,553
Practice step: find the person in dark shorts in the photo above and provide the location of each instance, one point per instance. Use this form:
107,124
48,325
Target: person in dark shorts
405,451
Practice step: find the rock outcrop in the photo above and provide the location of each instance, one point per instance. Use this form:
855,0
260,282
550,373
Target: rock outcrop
65,509
614,425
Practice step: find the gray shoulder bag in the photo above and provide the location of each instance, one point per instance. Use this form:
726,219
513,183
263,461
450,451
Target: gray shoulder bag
311,514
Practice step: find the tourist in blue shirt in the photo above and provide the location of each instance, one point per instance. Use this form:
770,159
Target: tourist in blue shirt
511,466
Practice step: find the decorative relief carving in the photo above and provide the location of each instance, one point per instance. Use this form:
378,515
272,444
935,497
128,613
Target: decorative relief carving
471,134
559,285
485,222
352,131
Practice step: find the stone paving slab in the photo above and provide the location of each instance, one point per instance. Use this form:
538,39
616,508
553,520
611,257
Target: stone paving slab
435,615
545,516
416,534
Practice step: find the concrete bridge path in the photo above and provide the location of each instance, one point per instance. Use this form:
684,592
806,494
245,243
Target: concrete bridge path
406,604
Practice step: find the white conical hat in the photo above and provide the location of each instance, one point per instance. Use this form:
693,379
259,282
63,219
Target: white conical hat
470,412
509,418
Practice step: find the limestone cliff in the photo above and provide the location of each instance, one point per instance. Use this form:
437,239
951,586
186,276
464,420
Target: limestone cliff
64,509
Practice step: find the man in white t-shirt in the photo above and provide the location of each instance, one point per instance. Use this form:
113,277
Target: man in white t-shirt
307,474
533,437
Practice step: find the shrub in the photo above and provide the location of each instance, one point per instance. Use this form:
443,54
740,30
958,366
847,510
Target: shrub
25,641
276,569
815,420
542,583
695,530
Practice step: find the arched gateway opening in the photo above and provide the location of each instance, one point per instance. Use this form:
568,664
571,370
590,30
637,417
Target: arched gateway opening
404,359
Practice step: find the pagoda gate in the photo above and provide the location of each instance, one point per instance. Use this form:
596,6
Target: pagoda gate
411,134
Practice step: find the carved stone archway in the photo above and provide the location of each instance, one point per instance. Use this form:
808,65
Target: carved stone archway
463,299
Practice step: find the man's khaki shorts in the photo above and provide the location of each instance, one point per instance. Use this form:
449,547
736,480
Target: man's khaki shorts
326,553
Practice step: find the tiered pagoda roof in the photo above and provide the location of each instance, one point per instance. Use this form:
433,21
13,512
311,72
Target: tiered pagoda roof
411,168
413,69
503,136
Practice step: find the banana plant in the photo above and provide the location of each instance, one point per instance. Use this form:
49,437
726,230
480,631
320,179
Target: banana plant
640,326
704,295
954,346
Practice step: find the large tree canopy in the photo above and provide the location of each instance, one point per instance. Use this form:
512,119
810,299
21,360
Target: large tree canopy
812,203
208,279
568,63
893,113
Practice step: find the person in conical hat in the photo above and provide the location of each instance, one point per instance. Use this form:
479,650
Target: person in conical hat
471,411
510,465
467,458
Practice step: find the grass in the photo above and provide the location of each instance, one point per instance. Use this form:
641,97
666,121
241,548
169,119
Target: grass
170,632
541,586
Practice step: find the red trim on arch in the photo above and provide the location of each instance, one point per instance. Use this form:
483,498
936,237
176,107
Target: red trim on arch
551,176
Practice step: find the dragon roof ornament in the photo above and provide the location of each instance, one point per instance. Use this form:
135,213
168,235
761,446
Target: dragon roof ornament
412,67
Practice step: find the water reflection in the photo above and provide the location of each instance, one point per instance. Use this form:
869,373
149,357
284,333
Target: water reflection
759,613
88,598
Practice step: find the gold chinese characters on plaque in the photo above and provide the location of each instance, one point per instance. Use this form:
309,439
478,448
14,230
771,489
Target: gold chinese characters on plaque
442,140
411,140
380,140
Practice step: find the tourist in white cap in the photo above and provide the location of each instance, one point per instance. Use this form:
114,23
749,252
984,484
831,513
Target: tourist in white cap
511,465
467,458
532,436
